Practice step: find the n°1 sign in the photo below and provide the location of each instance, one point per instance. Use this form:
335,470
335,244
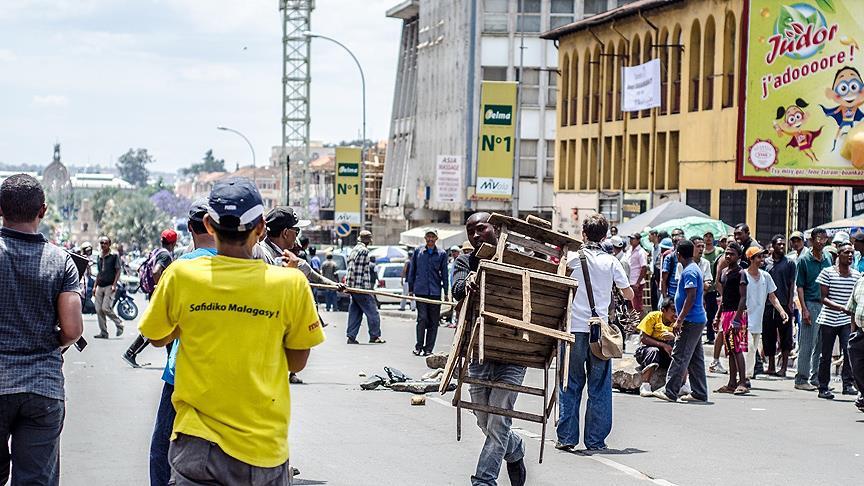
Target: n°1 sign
348,186
497,140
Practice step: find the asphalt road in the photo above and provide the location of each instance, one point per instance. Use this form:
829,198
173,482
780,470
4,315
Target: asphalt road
344,436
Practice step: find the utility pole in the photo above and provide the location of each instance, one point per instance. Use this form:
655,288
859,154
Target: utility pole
296,19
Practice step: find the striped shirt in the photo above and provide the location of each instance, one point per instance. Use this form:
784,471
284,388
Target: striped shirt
839,291
856,303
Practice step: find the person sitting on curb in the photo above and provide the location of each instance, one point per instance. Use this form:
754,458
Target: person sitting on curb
656,339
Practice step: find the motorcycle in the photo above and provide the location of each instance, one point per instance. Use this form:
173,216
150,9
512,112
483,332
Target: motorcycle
124,305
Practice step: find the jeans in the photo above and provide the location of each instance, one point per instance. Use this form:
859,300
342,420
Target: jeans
160,470
710,311
428,316
331,300
104,298
585,367
363,305
688,357
195,461
827,335
34,424
809,347
501,442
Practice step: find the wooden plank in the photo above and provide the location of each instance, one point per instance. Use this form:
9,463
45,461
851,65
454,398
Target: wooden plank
529,361
455,348
536,232
553,333
526,300
538,221
502,243
482,309
505,386
516,345
531,417
538,287
494,331
507,298
535,246
485,251
562,263
506,270
550,322
514,257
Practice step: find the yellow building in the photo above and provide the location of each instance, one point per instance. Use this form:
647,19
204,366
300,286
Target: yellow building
685,149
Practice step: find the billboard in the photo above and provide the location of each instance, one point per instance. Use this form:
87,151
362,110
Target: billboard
347,202
801,93
497,140
448,179
641,89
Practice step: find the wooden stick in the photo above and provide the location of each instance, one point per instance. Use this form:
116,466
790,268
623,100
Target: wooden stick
351,290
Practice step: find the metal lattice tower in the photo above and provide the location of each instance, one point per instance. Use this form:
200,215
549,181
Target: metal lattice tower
296,19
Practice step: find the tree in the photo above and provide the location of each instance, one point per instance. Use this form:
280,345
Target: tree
207,164
171,204
131,218
100,201
133,167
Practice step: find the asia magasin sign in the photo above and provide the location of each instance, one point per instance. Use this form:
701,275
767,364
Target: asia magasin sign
497,142
348,186
802,93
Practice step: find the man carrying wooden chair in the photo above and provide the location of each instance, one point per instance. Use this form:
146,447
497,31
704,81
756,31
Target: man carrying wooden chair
502,444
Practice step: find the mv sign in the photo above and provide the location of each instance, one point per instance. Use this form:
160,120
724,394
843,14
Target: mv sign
347,203
497,140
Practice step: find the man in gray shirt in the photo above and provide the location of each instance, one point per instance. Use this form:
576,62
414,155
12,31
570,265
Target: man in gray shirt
40,315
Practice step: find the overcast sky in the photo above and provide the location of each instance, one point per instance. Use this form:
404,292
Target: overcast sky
101,76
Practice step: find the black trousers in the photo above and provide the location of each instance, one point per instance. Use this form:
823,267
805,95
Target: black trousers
33,422
828,334
774,328
710,312
655,289
856,358
428,316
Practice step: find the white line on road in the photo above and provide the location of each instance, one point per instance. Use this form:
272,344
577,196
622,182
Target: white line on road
635,473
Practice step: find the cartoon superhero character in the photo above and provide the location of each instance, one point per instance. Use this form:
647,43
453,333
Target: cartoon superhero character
791,120
847,92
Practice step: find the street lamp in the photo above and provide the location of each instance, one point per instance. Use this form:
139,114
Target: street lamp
254,164
313,35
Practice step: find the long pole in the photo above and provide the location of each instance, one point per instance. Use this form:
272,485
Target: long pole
251,148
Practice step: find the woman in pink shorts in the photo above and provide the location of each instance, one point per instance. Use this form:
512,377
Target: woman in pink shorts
732,286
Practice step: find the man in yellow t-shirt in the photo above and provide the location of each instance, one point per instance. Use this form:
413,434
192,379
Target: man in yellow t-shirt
245,325
656,340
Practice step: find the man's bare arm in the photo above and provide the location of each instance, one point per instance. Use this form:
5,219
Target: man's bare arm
297,359
69,315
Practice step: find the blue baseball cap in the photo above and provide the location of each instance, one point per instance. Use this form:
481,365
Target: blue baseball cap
666,244
235,205
198,209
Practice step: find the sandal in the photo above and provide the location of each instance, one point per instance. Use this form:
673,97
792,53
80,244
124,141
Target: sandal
725,389
741,390
416,352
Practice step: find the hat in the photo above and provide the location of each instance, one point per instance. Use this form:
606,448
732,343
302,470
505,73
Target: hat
455,248
858,235
169,236
282,217
467,246
796,234
365,234
198,209
617,242
666,244
637,236
86,245
607,246
235,205
650,231
431,231
754,250
840,237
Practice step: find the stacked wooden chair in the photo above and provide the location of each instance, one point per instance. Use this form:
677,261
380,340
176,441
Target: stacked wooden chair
520,315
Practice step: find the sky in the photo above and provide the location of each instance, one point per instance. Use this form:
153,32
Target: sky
103,76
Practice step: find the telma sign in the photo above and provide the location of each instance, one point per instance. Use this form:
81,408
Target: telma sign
349,170
497,114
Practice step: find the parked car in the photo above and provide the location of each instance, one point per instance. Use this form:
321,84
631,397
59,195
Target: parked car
389,280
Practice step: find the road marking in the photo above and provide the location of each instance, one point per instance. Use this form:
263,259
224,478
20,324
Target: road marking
758,409
635,473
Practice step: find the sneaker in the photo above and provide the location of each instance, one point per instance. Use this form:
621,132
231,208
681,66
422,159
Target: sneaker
661,394
689,398
826,394
352,341
101,335
805,387
645,390
130,358
294,379
685,389
849,390
295,471
717,367
516,472
377,340
120,331
859,403
565,447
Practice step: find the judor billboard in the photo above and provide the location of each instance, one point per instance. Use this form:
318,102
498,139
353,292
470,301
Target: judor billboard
497,142
348,186
802,92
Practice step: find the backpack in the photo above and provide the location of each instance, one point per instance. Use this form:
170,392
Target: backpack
145,272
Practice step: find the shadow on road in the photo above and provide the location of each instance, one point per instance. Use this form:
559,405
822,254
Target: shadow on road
610,452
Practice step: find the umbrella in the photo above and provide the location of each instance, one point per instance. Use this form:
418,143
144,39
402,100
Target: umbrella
848,225
658,215
385,254
692,226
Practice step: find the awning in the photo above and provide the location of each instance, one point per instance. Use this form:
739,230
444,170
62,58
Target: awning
448,235
659,215
848,225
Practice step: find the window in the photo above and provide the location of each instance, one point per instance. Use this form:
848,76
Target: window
699,199
770,214
550,159
729,61
676,64
528,158
495,16
530,86
593,7
708,66
814,208
609,208
565,91
529,16
733,206
693,72
494,74
552,89
561,13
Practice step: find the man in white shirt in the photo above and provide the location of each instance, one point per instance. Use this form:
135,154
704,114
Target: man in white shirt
604,272
638,260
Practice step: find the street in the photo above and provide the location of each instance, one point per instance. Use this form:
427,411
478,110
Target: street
344,436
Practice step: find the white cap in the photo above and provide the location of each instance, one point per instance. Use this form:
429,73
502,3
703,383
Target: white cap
840,237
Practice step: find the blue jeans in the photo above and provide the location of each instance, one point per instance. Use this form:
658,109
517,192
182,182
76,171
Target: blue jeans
501,442
160,470
809,347
330,299
598,416
363,305
33,422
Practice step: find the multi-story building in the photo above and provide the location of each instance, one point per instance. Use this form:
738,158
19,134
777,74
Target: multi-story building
683,150
267,179
447,48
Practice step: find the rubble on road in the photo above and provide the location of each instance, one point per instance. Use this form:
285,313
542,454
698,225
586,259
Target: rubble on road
398,381
436,360
627,378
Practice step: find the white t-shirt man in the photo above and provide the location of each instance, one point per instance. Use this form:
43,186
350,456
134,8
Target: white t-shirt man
757,296
604,270
637,259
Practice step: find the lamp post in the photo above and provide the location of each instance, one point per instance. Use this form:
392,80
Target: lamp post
254,164
314,35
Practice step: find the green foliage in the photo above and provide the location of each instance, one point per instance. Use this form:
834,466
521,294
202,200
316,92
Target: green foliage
133,167
131,218
826,5
207,164
100,201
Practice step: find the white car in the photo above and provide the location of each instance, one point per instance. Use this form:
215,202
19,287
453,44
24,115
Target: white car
389,280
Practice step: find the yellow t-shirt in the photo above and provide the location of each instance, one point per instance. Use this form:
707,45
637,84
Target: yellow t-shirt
652,325
236,318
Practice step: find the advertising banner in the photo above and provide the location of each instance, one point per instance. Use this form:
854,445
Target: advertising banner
802,93
448,179
497,140
347,203
641,89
